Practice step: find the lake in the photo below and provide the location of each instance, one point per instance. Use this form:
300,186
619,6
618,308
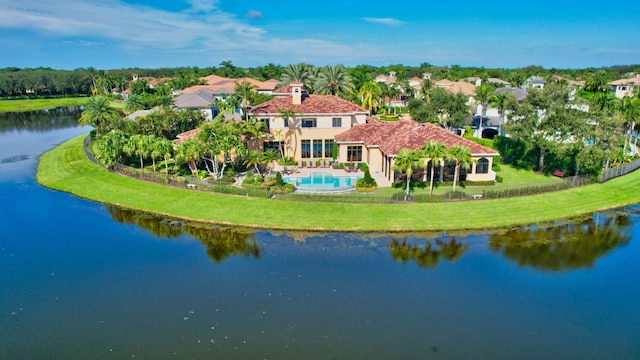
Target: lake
81,280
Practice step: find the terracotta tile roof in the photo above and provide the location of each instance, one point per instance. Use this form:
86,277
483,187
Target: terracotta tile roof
626,82
444,83
212,79
311,104
215,89
182,137
392,137
463,87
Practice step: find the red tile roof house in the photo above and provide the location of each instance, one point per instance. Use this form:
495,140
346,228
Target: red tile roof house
378,143
317,120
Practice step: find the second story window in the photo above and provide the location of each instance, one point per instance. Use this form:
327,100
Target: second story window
337,122
309,123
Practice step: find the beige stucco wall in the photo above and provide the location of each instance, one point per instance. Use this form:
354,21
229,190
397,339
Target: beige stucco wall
324,130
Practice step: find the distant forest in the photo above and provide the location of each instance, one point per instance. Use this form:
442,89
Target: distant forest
47,82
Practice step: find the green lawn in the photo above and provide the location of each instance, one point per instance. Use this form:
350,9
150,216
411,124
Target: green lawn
66,168
42,104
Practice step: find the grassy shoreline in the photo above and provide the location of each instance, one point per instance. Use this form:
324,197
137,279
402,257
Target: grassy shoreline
20,105
66,168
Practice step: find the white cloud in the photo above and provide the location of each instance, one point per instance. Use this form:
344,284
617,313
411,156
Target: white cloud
384,21
209,31
254,14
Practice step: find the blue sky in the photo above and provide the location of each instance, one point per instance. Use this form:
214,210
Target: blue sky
108,34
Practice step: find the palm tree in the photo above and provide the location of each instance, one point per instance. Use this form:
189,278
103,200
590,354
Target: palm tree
298,73
501,101
425,88
333,80
134,103
164,148
189,152
629,110
254,158
269,157
406,161
462,157
244,90
288,115
483,94
93,75
254,129
140,145
432,152
98,113
227,68
370,94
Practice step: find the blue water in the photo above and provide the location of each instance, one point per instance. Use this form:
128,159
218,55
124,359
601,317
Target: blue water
321,180
80,280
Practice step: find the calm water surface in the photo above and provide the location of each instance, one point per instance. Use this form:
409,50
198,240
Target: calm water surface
80,280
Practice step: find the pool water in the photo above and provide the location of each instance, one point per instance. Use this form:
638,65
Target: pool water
322,180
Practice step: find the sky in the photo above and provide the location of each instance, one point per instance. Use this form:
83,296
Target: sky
111,34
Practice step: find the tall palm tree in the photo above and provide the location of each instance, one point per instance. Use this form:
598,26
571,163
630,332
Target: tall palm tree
190,152
406,161
244,90
98,113
297,73
163,148
629,110
288,115
93,75
482,96
425,88
502,102
370,94
227,68
140,145
462,157
333,80
432,152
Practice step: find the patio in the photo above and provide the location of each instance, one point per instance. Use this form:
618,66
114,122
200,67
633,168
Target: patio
305,171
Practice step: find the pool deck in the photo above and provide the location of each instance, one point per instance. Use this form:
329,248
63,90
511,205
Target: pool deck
305,171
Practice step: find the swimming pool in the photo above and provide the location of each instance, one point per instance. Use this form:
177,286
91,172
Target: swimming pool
322,181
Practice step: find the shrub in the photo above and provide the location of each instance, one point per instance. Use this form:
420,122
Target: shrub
454,195
249,179
495,167
279,182
424,198
499,179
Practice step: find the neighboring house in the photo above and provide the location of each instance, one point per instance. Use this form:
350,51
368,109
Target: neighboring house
378,143
626,87
520,94
458,87
138,113
534,82
317,120
202,100
214,82
391,79
498,82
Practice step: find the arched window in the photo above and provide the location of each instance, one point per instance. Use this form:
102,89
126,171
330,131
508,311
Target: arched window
483,166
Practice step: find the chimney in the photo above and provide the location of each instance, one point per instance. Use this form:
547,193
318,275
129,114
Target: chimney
135,77
296,93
